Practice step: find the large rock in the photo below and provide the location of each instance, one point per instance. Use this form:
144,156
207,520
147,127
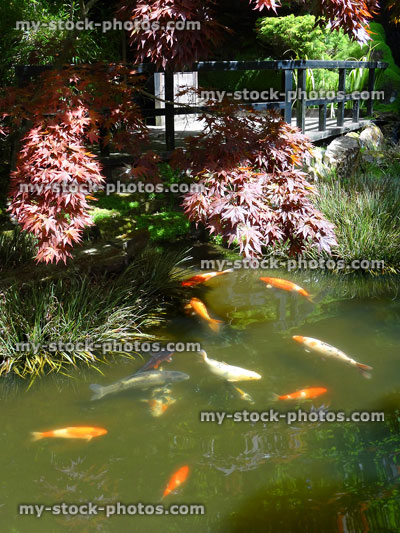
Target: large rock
315,167
372,138
343,155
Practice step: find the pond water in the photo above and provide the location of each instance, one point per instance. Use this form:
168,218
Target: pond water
253,477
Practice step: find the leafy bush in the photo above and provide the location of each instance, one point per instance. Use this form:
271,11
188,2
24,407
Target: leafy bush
299,38
389,80
83,309
41,45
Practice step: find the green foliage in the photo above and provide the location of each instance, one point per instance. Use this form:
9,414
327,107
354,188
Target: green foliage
389,81
299,37
167,225
365,210
42,45
16,247
160,213
243,79
83,309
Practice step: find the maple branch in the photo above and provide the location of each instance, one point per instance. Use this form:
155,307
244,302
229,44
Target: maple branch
178,104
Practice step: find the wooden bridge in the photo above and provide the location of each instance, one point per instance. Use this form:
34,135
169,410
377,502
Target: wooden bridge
316,127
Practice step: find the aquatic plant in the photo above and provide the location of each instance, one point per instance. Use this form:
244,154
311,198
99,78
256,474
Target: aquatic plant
42,322
365,210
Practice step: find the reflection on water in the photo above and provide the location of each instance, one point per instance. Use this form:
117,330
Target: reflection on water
304,477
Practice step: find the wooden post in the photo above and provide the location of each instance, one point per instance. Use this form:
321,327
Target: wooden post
301,101
287,79
322,117
371,86
341,88
169,110
356,111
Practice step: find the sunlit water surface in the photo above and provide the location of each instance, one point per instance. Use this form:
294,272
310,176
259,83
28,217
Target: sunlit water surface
304,477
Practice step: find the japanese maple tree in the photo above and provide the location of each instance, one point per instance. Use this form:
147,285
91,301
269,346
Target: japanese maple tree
254,192
54,170
250,164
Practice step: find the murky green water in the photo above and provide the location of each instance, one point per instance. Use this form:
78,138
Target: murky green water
306,477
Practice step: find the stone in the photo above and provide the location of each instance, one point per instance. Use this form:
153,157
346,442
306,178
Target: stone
316,168
342,155
372,138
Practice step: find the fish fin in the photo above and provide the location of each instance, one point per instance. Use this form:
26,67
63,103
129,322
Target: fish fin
365,370
89,438
98,392
274,397
215,325
308,351
228,270
36,435
309,299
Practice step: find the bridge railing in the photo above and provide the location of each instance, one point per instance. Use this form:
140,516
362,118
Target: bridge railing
288,69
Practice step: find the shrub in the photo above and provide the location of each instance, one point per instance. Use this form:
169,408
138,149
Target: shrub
299,38
302,38
389,80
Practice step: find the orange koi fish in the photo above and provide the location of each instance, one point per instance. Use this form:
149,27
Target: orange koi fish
327,350
201,278
200,309
304,394
176,480
286,285
86,433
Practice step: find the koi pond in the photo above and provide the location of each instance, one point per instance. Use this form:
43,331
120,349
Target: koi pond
302,477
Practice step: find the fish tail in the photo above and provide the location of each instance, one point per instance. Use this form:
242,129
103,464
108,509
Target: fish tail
215,325
203,354
227,270
274,397
36,435
98,392
365,370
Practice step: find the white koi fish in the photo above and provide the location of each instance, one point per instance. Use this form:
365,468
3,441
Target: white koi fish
330,351
229,372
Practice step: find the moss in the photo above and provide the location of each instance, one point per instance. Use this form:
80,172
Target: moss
164,226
